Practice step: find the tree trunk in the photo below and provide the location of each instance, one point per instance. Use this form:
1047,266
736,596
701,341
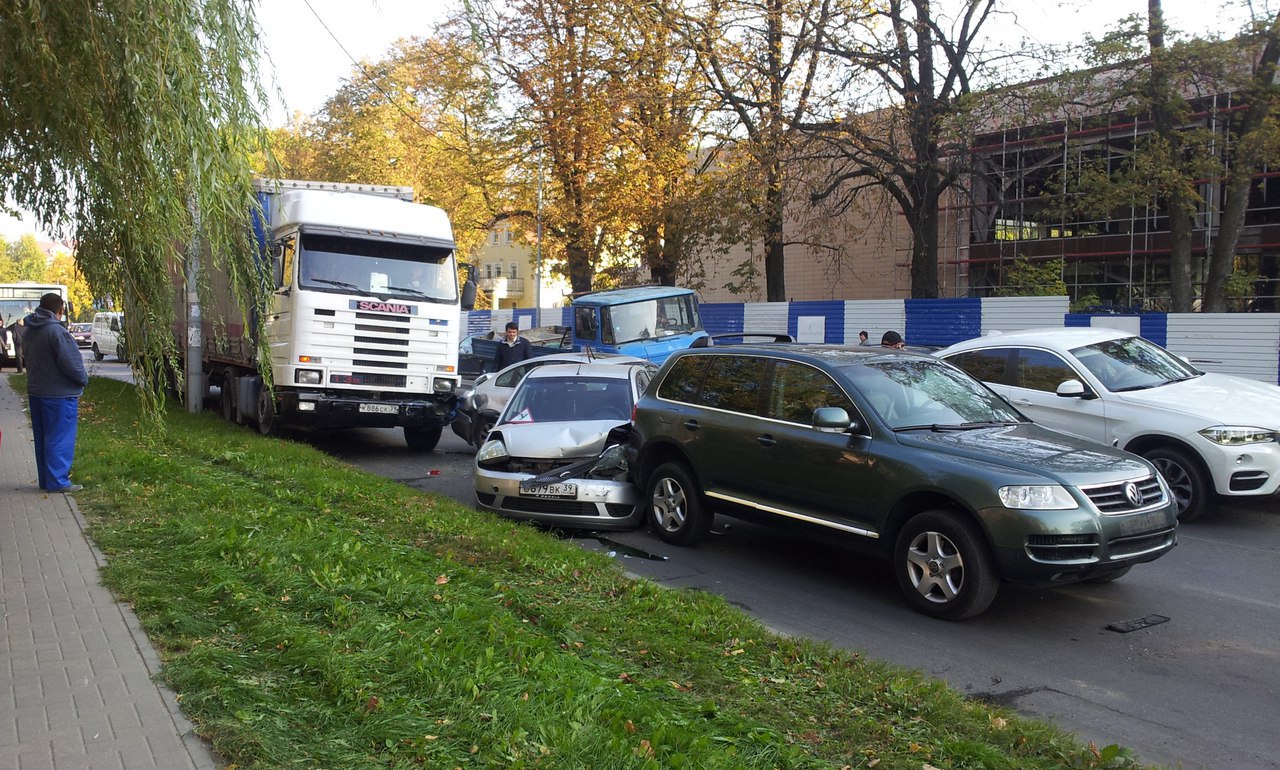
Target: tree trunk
924,249
1165,127
774,268
1240,174
1181,297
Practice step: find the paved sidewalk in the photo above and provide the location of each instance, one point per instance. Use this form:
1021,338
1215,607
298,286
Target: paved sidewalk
76,688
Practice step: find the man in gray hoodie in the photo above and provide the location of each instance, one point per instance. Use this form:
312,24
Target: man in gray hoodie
55,380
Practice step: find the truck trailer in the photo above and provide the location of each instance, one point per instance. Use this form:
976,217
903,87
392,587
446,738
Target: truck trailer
362,320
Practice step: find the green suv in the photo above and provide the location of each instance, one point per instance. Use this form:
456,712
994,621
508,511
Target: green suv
915,459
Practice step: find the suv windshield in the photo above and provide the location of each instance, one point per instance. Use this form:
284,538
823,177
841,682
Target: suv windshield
926,393
1133,363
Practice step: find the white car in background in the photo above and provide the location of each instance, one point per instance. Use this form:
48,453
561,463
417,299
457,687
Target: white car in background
1206,432
557,454
480,406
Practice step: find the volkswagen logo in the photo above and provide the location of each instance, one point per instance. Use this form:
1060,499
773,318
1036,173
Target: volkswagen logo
1134,494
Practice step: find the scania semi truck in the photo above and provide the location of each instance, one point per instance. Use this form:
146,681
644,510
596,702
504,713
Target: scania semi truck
362,319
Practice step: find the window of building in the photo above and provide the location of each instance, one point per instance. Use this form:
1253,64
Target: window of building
511,270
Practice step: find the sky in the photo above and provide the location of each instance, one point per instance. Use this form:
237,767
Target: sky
312,44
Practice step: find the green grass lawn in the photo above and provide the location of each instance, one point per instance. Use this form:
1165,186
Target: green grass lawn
311,615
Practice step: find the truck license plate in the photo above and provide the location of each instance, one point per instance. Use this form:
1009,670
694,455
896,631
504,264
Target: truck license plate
553,491
380,408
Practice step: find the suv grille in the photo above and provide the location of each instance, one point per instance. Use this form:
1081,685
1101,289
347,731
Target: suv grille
1062,548
1112,499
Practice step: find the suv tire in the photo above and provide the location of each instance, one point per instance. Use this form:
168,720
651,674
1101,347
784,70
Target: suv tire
1185,480
674,505
943,566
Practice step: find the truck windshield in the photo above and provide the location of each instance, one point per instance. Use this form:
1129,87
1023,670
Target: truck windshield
344,265
662,317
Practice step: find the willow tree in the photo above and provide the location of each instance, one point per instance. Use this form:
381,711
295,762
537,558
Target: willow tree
128,127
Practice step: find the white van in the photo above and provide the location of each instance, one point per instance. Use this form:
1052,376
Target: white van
108,336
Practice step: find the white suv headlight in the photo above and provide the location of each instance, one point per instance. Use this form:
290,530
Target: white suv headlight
1037,497
1236,435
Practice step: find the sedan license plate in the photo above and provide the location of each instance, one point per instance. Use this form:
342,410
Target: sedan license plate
551,491
380,408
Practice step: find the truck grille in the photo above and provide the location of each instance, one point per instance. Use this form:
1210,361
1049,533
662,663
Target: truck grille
379,350
1111,499
369,379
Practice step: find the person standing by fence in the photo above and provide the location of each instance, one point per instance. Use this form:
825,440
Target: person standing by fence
55,379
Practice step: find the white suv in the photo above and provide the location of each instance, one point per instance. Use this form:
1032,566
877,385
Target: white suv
1205,432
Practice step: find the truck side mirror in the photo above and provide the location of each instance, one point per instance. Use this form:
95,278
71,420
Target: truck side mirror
469,290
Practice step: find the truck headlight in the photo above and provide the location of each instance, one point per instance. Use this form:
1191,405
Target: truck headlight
1037,497
1236,435
307,376
442,385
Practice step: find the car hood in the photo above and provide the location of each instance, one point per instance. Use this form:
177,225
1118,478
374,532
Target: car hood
552,440
1034,449
1219,399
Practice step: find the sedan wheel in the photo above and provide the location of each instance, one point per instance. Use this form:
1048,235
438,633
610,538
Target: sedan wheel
943,566
1185,480
675,505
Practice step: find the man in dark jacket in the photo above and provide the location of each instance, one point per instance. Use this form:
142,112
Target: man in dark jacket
55,380
512,349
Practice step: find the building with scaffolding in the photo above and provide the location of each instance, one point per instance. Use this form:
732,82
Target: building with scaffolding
1018,203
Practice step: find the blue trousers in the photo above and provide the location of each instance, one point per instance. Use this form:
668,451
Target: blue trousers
53,421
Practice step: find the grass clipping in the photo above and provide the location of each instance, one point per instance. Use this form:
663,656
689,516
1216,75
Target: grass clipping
313,615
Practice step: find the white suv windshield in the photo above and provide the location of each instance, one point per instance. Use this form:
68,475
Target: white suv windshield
1133,363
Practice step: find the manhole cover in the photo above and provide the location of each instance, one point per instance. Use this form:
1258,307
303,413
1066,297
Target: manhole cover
1137,624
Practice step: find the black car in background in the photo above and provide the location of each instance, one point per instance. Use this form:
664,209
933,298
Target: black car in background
900,453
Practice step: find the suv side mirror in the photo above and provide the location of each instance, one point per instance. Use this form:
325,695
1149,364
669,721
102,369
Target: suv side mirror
1075,389
831,419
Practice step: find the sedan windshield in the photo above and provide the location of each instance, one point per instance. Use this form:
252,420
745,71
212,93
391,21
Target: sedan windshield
911,393
569,399
1133,363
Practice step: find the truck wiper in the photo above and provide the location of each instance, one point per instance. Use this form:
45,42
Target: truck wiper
409,290
344,285
339,284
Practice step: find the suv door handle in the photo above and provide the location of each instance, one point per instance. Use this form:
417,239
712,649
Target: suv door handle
691,425
766,441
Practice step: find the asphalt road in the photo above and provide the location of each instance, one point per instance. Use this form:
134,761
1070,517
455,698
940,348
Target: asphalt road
1200,689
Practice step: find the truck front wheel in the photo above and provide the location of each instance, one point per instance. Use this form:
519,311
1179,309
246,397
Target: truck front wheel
268,425
423,439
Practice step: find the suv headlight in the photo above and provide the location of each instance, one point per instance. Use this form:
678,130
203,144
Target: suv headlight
1235,435
1037,497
